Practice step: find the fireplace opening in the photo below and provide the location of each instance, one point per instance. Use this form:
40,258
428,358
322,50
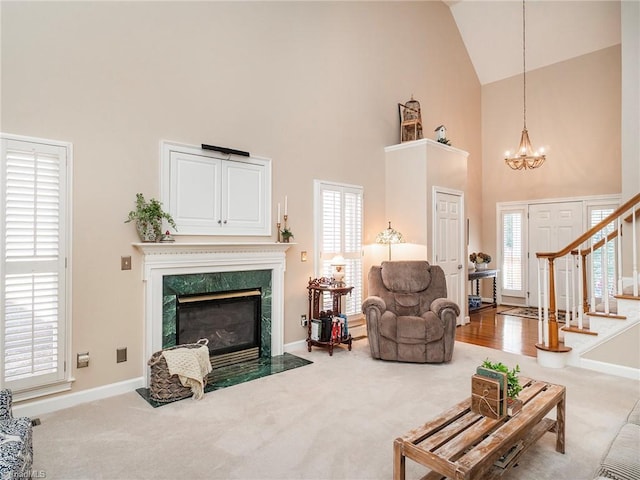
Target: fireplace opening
229,320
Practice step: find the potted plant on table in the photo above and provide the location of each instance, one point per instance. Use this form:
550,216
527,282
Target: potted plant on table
148,216
480,260
513,384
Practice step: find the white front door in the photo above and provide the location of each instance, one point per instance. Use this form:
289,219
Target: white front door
448,244
552,226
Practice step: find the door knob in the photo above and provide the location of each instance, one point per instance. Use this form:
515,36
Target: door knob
459,267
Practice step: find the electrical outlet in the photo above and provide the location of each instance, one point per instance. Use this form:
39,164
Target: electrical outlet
125,263
303,256
303,320
82,360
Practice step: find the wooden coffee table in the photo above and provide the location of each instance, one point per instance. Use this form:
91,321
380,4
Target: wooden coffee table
460,444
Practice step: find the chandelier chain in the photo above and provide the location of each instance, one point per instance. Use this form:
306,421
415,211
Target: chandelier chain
524,67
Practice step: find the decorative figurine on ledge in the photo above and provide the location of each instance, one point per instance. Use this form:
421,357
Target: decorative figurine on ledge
442,135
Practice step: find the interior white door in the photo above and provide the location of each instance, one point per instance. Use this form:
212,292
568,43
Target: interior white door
449,244
552,226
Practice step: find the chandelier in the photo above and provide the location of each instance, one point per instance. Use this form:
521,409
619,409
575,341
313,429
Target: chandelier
525,157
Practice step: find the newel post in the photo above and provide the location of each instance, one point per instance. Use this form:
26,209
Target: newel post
553,321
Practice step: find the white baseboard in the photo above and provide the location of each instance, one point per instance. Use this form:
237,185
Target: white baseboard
39,407
293,346
610,368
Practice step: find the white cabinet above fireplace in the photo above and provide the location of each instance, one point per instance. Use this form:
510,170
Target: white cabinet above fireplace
211,193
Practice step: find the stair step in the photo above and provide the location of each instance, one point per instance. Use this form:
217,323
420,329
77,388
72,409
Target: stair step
583,330
607,315
627,297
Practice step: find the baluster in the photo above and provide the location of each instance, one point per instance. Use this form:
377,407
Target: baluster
582,297
573,290
567,306
619,263
592,305
635,251
540,321
605,275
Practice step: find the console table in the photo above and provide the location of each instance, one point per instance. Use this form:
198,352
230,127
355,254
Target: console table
463,445
479,275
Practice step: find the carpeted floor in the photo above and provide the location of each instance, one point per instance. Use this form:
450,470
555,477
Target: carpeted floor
333,419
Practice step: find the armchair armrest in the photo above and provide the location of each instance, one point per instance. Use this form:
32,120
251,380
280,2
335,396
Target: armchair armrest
374,302
440,304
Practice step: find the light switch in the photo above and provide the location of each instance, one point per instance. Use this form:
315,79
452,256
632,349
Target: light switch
303,256
125,263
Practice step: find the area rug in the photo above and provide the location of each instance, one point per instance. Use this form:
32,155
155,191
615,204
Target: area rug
528,312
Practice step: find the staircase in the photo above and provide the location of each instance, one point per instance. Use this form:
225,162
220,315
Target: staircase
597,324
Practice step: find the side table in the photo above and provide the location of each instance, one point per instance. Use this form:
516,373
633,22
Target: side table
317,288
476,277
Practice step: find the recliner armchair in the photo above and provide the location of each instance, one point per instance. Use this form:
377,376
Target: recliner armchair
16,448
409,318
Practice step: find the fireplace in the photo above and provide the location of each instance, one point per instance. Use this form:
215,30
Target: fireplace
230,321
175,269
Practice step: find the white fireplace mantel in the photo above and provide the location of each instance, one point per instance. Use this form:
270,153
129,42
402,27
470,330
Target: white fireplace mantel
163,259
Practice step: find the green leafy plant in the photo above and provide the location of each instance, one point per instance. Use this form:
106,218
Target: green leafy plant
286,234
513,382
149,215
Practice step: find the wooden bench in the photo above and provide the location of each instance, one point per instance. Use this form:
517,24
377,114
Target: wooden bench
463,445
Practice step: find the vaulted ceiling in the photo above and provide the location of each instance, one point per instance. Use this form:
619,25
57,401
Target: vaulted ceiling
555,31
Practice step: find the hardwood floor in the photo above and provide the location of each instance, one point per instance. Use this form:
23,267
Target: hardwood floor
501,332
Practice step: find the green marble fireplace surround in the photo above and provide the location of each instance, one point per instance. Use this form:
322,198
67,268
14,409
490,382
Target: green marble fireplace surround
215,282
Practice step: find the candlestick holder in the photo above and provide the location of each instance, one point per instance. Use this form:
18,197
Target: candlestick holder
278,225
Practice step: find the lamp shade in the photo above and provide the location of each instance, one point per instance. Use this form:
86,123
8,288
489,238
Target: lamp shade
389,236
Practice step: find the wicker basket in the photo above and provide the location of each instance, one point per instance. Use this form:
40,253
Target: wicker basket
164,387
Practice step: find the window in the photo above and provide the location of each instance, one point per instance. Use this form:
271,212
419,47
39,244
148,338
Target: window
338,231
596,215
33,256
513,252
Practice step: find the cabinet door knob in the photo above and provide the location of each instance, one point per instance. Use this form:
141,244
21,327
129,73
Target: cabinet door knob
219,222
225,222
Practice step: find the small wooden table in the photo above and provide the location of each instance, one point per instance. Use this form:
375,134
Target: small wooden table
317,288
461,445
478,275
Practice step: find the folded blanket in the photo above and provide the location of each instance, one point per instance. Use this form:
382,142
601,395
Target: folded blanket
191,365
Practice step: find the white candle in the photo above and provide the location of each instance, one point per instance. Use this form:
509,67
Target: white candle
278,212
286,203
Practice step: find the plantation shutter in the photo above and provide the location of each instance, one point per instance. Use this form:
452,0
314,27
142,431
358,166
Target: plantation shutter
596,216
339,217
33,257
513,255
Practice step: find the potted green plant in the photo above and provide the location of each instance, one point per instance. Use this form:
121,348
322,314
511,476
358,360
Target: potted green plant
148,216
286,235
513,384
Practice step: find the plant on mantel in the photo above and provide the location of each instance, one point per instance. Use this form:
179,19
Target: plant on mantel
148,216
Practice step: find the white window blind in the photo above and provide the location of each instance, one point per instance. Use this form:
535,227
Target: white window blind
339,232
596,215
33,283
513,253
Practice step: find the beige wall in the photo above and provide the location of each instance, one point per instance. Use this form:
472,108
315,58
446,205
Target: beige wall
573,111
314,86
